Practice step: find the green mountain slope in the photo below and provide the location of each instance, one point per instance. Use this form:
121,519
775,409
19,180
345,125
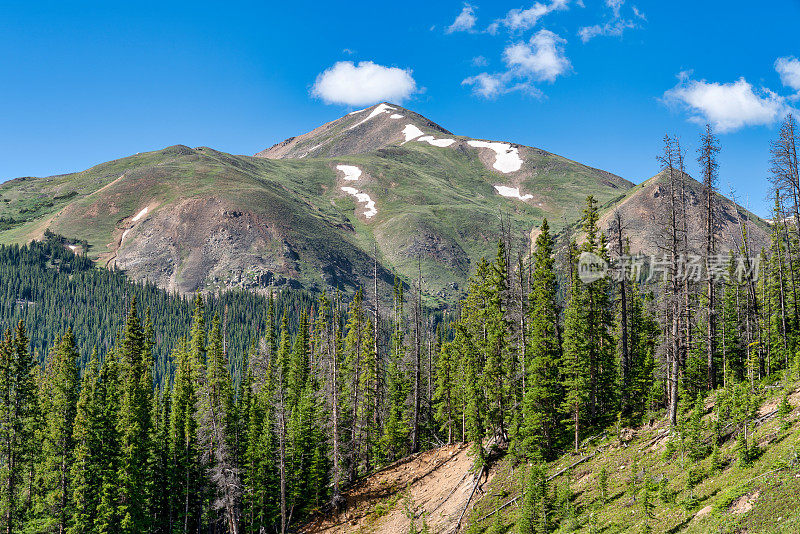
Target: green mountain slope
652,464
189,219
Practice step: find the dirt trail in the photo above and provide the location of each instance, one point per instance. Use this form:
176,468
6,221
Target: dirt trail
435,484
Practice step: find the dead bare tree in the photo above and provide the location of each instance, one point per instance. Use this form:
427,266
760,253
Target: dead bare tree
707,158
669,161
414,447
618,230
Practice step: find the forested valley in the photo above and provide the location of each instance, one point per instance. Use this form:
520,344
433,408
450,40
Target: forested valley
127,409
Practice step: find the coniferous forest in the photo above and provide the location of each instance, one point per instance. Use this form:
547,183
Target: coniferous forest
126,409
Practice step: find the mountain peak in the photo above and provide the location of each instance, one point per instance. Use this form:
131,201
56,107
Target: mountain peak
357,132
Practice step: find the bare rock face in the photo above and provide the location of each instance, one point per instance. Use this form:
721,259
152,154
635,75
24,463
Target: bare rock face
645,219
202,242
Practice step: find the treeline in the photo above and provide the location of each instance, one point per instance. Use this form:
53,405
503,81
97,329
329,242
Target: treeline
334,389
51,289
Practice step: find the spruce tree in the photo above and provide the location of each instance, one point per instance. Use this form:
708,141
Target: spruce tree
576,379
108,401
216,419
85,473
186,471
18,413
134,425
542,400
52,509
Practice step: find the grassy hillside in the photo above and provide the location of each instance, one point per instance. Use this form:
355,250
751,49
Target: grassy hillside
729,497
431,490
216,220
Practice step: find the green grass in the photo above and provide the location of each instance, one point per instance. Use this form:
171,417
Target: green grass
775,475
437,208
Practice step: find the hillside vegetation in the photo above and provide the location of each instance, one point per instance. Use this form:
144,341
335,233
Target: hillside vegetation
188,219
645,479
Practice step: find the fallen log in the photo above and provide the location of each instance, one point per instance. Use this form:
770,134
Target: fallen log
551,477
466,505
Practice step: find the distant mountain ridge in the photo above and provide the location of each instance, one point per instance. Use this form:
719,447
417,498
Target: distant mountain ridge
357,132
381,188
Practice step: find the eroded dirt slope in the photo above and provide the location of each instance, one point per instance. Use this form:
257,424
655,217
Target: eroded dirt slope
434,486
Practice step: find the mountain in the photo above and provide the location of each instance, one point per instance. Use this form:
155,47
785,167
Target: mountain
644,220
382,187
358,132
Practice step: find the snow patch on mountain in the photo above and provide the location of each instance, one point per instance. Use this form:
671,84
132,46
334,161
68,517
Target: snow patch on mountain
364,198
436,142
395,116
140,215
380,108
506,158
511,192
411,132
351,172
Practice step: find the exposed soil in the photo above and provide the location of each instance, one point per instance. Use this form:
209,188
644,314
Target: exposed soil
435,485
744,504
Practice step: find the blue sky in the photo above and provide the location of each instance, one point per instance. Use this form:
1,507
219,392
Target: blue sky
600,81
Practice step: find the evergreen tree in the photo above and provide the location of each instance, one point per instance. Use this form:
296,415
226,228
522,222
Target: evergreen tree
185,471
85,474
576,379
533,516
542,400
134,425
52,509
18,412
216,428
108,400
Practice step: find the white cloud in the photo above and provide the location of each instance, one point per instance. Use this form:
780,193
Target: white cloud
614,26
615,6
540,59
465,20
480,61
789,70
486,85
363,84
610,29
525,19
727,106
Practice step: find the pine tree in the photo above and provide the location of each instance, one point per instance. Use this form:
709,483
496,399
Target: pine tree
355,344
395,428
644,332
542,400
445,394
533,516
52,509
282,413
576,380
599,344
186,472
108,401
18,411
134,424
85,474
498,358
707,158
216,431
